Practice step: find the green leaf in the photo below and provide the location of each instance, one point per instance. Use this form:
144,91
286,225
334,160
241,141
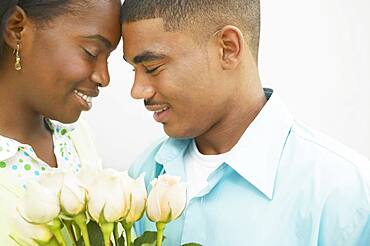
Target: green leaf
95,234
66,236
149,238
192,244
121,241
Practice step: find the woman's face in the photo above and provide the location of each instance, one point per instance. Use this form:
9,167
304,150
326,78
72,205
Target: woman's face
65,62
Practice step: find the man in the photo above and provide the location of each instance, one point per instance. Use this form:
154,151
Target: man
255,176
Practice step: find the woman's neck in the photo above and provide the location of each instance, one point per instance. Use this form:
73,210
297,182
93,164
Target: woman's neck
17,119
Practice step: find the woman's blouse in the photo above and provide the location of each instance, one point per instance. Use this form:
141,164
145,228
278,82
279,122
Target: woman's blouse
21,160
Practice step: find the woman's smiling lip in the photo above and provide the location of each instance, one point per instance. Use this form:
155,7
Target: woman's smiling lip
88,92
84,97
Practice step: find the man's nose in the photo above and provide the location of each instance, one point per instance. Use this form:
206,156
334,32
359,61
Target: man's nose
142,89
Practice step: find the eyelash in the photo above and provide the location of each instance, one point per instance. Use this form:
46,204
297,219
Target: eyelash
152,70
91,55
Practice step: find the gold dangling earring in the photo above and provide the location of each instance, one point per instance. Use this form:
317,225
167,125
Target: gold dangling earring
17,65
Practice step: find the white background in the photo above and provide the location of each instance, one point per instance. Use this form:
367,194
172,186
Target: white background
315,53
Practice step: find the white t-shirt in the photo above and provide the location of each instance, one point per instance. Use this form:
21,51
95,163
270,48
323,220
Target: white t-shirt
198,167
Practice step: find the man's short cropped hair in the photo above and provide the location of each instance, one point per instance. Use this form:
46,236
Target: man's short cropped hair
201,17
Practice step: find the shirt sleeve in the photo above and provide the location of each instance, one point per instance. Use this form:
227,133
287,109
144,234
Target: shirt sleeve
345,217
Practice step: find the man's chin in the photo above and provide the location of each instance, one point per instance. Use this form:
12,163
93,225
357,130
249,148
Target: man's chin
177,133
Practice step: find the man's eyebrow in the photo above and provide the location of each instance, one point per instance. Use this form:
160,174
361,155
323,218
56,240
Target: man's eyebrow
105,42
147,56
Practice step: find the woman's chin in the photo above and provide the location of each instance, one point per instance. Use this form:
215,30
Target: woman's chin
66,118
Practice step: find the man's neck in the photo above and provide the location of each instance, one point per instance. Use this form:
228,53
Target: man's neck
224,135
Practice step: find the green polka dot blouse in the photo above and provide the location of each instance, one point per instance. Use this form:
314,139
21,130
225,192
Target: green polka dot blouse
20,159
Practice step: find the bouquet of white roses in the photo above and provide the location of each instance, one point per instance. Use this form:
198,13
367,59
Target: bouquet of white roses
96,207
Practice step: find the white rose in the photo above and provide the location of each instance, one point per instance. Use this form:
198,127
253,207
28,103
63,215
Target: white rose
52,180
11,222
87,176
167,199
107,197
25,233
73,196
40,204
138,193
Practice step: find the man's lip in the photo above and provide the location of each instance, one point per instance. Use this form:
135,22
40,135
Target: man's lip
162,116
157,107
89,93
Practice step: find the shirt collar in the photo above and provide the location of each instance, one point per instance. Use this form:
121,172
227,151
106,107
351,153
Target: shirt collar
9,147
257,154
58,128
171,150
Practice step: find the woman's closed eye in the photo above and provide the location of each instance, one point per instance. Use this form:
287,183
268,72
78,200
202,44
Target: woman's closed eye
90,53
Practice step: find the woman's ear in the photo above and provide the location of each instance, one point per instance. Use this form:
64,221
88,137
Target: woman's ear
15,27
231,45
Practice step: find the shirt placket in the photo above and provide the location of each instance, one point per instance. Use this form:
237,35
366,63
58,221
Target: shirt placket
64,153
196,204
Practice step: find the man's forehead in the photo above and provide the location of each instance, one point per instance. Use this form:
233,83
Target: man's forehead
150,45
145,24
146,53
147,40
141,33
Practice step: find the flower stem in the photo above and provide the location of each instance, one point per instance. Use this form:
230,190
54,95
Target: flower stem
55,227
128,228
160,230
53,242
77,230
71,233
81,223
116,234
107,229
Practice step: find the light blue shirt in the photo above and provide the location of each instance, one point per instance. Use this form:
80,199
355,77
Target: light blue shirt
282,184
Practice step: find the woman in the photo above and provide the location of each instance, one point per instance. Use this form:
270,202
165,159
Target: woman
53,60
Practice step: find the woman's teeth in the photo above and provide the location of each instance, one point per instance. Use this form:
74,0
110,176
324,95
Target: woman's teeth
84,97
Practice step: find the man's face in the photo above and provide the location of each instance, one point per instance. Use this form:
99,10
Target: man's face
181,82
